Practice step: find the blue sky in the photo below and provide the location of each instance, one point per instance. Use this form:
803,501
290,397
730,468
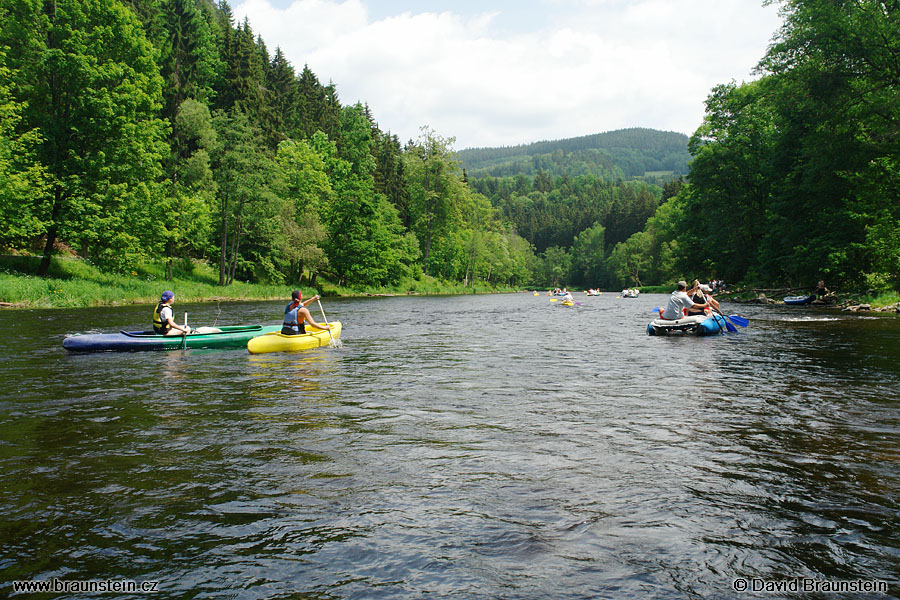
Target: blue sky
505,73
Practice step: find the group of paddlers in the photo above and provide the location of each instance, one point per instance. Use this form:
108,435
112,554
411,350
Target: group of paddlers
686,302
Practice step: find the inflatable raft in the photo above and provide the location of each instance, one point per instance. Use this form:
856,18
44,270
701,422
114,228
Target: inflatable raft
235,336
799,299
694,325
277,342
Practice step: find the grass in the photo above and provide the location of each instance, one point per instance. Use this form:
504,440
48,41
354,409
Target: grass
72,282
877,299
425,285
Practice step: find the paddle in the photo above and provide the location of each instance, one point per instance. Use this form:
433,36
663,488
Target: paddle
553,299
184,335
324,318
739,320
728,326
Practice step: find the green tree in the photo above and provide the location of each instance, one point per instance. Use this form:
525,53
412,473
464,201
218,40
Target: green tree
366,244
190,193
555,266
249,209
435,195
589,256
189,62
86,74
22,179
630,259
308,188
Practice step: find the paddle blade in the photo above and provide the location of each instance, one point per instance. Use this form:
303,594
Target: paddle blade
739,320
730,328
553,299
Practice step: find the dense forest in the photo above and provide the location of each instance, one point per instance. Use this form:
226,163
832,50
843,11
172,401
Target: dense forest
163,130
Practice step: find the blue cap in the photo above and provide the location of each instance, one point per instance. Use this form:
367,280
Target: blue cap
167,295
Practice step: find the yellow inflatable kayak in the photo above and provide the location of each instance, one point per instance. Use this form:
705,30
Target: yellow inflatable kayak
276,342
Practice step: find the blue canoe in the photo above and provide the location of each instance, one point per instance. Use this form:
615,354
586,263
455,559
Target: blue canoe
234,336
694,325
799,299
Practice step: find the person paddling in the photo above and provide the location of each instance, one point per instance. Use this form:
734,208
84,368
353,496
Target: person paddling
678,302
163,322
701,297
296,315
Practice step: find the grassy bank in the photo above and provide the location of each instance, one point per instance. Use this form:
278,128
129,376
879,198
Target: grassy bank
73,282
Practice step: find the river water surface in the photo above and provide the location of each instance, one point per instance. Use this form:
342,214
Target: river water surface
473,447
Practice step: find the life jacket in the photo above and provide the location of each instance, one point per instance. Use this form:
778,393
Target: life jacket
158,325
290,315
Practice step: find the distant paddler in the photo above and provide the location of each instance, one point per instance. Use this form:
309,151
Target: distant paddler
296,315
163,321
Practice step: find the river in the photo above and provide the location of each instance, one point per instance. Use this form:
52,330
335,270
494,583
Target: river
470,447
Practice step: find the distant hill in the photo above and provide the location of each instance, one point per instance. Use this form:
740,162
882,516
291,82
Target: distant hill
623,154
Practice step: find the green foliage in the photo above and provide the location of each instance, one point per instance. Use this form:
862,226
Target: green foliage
164,129
626,153
589,256
795,175
366,242
630,260
86,78
553,267
22,180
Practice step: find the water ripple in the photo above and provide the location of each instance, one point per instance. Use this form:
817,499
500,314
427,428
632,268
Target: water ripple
535,451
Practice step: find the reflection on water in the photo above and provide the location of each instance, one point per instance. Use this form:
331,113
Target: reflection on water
469,447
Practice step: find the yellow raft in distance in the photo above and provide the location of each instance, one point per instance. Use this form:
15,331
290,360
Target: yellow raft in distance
276,342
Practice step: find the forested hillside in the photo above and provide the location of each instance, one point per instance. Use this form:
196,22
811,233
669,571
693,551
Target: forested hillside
623,154
163,130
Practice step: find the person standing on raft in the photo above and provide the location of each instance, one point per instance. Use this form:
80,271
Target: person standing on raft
296,315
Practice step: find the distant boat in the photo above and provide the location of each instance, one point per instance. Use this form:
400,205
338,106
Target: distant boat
799,299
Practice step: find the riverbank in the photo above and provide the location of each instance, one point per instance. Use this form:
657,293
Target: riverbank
867,300
75,283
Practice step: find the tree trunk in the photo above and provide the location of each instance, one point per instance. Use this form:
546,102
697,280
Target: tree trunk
223,240
52,232
169,260
236,245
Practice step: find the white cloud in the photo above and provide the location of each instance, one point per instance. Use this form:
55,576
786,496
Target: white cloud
591,66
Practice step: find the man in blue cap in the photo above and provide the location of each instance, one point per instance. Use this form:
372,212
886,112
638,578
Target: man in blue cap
163,323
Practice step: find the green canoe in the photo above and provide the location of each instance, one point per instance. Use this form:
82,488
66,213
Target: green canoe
235,336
